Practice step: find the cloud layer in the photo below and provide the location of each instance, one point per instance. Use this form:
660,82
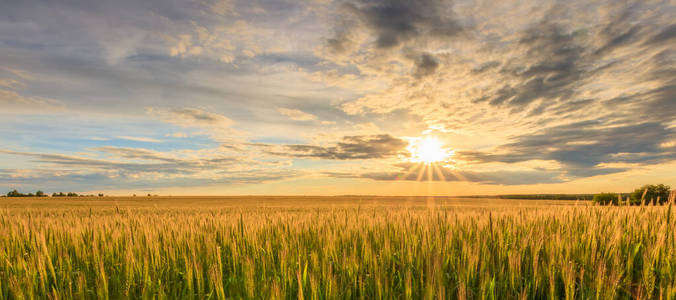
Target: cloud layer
348,148
159,93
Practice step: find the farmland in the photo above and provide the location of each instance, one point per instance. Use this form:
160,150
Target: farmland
333,248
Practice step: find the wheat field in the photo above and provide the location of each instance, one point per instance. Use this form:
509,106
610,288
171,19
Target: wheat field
333,248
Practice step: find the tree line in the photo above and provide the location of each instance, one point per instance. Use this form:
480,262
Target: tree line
15,193
649,194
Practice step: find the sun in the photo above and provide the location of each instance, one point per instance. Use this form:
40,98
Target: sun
428,150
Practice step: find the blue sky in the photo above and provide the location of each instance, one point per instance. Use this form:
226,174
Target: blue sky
330,97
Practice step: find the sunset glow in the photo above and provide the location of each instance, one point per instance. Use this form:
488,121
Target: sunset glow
428,150
336,97
337,149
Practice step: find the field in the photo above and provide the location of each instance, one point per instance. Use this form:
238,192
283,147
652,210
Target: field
333,248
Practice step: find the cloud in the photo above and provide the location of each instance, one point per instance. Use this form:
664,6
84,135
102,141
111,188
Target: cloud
12,101
350,147
425,65
582,84
586,85
439,173
664,36
297,115
583,146
396,22
137,153
138,139
136,167
59,180
192,117
177,135
218,126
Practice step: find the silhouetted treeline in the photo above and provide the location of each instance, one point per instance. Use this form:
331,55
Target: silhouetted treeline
60,194
15,193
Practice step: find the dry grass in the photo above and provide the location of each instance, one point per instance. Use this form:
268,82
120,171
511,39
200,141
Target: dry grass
333,248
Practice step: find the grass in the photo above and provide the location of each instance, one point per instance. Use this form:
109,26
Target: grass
333,248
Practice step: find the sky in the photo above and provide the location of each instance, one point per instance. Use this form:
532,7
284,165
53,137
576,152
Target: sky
329,97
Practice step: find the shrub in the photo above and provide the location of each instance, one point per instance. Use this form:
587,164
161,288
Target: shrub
651,193
15,193
40,194
606,199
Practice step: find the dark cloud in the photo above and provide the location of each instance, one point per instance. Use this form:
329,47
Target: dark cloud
559,61
486,66
337,44
551,68
559,65
617,32
396,22
582,146
425,65
422,172
664,36
350,147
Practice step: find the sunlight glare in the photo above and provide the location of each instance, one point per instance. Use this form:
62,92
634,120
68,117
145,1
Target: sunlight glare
427,150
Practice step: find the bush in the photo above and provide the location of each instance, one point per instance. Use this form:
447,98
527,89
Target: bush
651,193
40,194
606,199
15,193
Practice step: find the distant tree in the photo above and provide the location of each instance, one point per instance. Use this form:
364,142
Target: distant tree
651,194
606,199
40,194
71,194
100,195
14,193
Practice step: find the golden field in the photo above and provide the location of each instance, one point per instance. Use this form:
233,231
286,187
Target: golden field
333,248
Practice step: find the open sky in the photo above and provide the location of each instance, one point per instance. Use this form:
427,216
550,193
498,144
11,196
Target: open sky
337,97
